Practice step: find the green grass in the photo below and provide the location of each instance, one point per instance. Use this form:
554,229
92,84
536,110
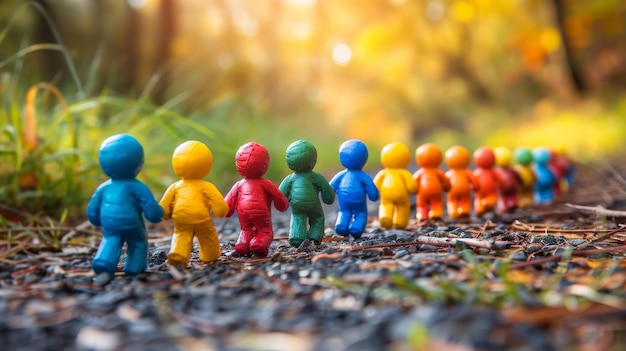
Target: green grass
50,135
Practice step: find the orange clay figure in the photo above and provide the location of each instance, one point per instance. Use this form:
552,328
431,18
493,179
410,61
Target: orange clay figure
394,184
486,198
511,182
252,198
462,182
431,182
523,166
189,203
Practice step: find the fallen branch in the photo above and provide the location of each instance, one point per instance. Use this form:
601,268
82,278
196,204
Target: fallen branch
599,210
607,235
444,242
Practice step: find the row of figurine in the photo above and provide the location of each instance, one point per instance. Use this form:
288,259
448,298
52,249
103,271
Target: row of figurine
120,204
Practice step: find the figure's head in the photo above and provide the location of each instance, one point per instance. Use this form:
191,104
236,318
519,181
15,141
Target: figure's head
192,160
523,156
541,155
457,157
395,155
252,160
428,155
503,156
353,154
559,149
484,157
301,156
121,156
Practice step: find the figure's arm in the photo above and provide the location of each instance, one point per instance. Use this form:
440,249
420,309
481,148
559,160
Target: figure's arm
500,178
150,207
379,178
334,183
168,200
285,186
473,180
95,204
445,182
280,200
231,198
413,184
215,200
517,176
370,187
328,194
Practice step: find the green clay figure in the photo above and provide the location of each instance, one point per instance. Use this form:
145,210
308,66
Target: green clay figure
302,189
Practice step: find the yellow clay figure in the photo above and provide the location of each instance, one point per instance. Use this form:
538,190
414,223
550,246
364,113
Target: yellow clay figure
189,203
395,183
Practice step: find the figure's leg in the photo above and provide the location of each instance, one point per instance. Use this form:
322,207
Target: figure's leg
453,205
436,207
108,252
358,225
464,206
298,229
492,201
422,209
182,243
403,213
385,213
242,246
343,221
260,243
209,243
507,202
137,251
316,229
526,198
479,207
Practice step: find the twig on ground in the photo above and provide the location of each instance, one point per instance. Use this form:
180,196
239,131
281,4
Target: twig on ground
444,242
599,210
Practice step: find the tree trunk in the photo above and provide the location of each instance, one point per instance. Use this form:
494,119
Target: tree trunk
573,65
165,37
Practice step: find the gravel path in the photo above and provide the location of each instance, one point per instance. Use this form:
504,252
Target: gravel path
341,295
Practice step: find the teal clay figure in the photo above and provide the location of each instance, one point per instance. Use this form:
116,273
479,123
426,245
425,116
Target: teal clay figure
353,187
302,188
119,204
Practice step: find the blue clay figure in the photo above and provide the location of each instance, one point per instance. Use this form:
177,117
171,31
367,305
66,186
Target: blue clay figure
302,188
544,178
353,187
118,204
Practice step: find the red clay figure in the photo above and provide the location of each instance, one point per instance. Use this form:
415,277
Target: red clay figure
252,198
431,182
462,182
559,173
486,198
394,184
566,166
511,181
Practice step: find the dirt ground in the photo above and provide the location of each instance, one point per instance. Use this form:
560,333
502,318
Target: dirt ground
548,278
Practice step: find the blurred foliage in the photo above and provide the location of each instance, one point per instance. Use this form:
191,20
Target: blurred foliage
468,72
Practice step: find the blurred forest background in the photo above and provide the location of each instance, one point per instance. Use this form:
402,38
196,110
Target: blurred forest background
470,72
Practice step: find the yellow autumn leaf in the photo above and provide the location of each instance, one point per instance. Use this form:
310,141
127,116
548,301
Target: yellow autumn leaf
29,133
517,276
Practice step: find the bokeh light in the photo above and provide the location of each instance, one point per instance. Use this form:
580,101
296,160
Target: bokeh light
342,54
